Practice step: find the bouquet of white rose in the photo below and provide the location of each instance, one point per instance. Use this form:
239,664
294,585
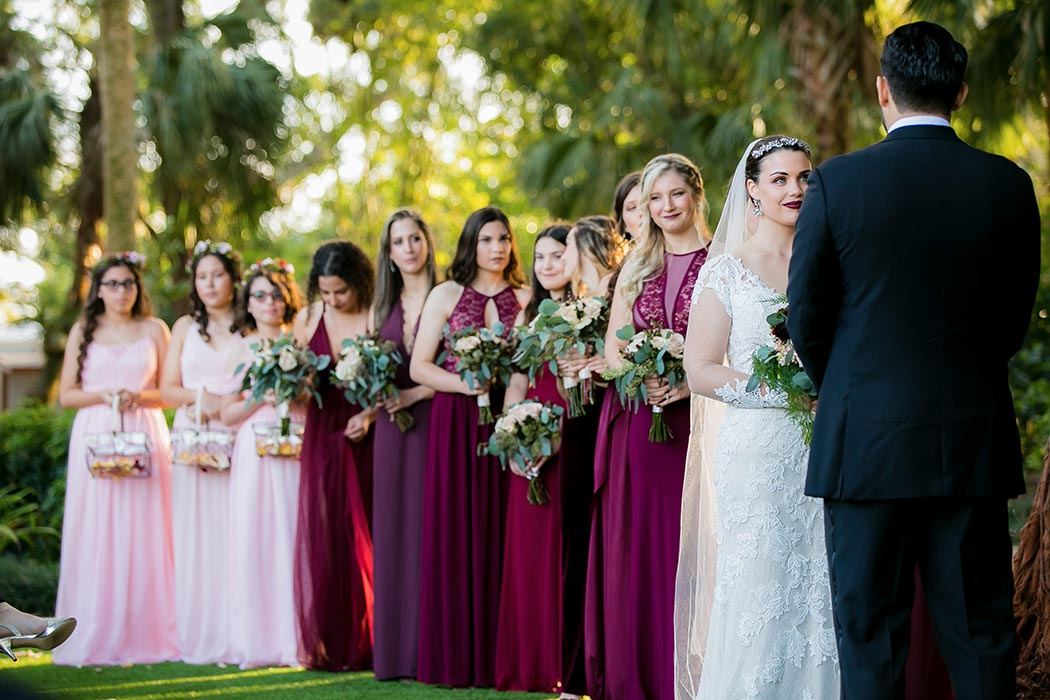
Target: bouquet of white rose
657,351
287,370
557,328
483,357
779,368
526,433
366,370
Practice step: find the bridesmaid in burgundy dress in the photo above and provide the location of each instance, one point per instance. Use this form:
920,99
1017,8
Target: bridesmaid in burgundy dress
333,561
593,250
404,277
529,638
641,529
464,496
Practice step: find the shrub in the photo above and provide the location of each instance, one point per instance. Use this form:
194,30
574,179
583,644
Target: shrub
29,585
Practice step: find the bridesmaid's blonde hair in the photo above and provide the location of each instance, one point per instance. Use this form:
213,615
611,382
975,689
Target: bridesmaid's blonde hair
646,260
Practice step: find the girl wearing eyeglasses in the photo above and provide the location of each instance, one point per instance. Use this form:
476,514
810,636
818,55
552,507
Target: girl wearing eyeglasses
116,573
264,490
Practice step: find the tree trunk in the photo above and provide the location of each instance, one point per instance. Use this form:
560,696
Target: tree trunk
116,54
89,191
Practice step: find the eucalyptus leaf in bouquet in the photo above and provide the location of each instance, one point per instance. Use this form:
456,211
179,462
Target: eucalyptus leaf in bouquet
483,359
366,370
657,351
526,433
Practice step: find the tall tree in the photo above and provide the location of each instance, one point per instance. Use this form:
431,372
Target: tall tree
116,58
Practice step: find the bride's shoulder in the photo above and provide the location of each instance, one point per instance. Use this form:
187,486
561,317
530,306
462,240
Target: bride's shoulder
722,267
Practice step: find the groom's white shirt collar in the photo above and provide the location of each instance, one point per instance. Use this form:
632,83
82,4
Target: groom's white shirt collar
920,120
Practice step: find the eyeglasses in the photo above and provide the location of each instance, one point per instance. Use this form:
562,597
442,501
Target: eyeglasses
126,285
275,296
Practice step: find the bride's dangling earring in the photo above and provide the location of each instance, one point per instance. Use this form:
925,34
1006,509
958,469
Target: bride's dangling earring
756,210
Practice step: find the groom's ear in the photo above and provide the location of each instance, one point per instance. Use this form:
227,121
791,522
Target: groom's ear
964,90
882,89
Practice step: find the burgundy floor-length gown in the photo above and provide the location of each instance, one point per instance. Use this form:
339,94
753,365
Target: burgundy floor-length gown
464,508
634,538
576,489
333,558
528,645
397,479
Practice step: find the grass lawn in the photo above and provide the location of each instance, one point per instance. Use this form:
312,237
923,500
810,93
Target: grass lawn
173,681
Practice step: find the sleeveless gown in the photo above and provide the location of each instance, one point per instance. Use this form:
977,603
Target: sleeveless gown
200,515
464,509
333,565
117,571
264,506
397,480
634,537
528,643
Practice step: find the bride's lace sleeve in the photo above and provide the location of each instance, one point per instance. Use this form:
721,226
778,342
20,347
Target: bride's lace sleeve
708,342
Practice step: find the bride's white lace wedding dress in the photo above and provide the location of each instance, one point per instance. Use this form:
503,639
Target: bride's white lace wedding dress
771,633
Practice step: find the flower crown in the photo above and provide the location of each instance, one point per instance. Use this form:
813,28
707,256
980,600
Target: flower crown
776,144
130,257
208,247
271,265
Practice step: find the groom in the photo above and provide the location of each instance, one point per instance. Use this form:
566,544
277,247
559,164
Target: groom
912,282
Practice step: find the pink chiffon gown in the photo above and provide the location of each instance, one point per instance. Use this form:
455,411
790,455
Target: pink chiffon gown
528,645
464,509
333,563
201,518
634,537
264,505
117,574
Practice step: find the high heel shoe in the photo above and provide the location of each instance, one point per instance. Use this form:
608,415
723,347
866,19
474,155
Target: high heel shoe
5,642
57,631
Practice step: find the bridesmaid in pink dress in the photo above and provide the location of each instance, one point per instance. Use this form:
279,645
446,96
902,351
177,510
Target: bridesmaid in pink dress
405,275
333,564
116,574
528,644
636,576
199,359
464,495
264,491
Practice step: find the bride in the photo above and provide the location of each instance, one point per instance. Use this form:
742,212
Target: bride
753,604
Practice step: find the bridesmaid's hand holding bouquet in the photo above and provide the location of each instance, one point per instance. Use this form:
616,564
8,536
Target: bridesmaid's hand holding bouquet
483,357
778,367
366,370
651,353
558,329
527,434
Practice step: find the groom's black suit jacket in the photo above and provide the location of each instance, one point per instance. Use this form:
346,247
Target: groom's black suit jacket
912,281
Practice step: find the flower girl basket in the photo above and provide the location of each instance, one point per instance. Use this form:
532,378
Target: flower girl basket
118,454
204,447
281,439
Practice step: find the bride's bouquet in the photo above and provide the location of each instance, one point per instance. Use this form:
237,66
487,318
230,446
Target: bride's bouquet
526,433
483,356
366,370
286,370
656,351
557,328
779,368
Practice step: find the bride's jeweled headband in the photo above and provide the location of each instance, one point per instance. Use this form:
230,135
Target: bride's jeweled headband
778,143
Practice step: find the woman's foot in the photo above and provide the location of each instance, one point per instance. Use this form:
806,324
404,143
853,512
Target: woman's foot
25,623
19,630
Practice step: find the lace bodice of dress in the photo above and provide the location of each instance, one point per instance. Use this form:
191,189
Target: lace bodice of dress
664,301
470,311
747,301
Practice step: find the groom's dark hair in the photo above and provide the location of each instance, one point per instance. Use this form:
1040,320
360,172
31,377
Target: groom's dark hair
924,66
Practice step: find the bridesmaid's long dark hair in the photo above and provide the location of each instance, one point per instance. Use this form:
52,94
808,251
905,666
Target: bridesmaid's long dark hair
623,188
559,231
349,263
464,267
199,312
389,282
95,307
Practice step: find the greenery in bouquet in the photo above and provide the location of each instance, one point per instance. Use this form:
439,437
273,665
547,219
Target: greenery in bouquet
366,370
527,432
778,367
285,369
657,351
483,358
559,327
